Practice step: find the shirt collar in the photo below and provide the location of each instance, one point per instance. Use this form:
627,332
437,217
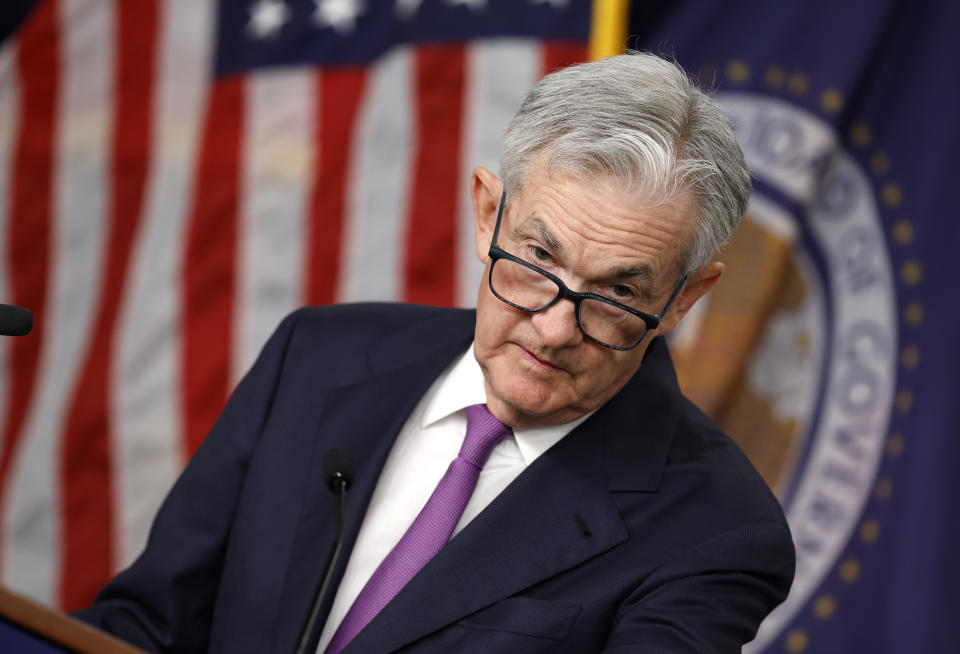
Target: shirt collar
462,385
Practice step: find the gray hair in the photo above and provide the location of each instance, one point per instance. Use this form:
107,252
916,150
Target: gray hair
640,121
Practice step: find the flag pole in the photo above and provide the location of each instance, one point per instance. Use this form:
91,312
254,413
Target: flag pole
608,28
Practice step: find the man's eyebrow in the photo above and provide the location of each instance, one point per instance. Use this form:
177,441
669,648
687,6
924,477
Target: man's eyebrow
644,273
537,225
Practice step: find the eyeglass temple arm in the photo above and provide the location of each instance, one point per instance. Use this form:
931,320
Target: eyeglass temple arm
496,229
673,296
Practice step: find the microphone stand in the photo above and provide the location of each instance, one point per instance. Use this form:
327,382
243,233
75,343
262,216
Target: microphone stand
339,487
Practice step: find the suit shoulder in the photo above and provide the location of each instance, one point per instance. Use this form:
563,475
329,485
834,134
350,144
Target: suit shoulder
723,469
331,344
373,315
364,321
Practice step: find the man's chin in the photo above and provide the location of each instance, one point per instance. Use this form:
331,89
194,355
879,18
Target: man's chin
528,407
524,396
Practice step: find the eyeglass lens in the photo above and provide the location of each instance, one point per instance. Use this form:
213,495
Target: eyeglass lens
530,290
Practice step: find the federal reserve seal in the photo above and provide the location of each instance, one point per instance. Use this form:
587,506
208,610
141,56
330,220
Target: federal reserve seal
795,354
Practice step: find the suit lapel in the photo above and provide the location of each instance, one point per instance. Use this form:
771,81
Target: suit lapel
363,418
640,422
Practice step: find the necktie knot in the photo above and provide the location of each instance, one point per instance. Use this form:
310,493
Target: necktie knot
484,432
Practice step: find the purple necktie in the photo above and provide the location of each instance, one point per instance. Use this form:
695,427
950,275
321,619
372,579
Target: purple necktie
431,529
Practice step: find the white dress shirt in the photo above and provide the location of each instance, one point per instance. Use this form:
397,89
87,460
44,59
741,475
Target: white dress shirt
429,440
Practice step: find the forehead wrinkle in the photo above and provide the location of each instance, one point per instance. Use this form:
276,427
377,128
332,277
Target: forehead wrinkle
644,273
535,223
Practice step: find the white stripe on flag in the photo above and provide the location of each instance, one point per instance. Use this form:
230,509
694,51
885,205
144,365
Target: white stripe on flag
145,379
277,170
498,75
31,527
9,115
379,184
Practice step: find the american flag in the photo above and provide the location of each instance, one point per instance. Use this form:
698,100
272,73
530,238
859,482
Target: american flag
177,175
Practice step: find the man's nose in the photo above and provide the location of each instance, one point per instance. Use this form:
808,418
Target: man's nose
557,325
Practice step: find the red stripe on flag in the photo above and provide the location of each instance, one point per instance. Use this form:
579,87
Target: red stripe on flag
430,268
560,54
85,458
340,92
27,257
209,274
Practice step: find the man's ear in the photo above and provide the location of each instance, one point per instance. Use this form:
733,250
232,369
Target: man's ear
486,190
699,283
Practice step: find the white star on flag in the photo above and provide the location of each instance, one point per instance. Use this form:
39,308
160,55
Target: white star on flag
341,15
267,18
407,8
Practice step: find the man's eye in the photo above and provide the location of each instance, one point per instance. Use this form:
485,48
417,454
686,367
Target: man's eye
540,254
622,293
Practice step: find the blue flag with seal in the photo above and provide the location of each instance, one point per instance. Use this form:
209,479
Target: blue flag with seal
830,350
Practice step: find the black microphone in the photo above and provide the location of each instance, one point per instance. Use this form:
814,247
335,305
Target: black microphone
338,469
338,474
15,321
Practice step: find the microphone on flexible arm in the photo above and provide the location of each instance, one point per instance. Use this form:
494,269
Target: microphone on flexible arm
338,474
15,321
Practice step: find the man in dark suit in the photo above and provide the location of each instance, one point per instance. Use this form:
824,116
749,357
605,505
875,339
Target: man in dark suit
610,515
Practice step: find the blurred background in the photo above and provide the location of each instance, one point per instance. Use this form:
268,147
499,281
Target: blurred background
177,175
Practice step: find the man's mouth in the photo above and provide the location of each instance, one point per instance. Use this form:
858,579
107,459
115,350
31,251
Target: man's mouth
536,361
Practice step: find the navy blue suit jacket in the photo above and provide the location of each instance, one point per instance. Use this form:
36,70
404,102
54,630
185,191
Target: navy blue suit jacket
643,530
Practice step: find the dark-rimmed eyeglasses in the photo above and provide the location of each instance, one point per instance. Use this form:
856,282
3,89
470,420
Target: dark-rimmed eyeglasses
527,287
